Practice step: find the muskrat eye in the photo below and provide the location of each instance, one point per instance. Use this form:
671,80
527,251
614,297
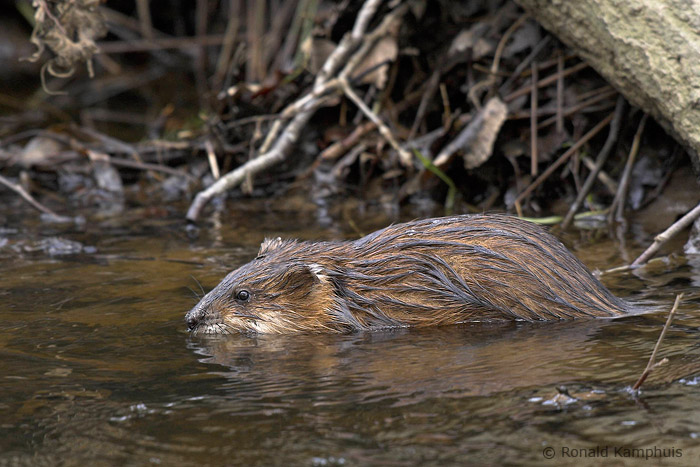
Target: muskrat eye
243,295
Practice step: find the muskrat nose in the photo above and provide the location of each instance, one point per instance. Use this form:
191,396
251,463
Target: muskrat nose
191,320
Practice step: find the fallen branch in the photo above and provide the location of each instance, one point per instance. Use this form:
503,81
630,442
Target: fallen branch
651,365
666,235
112,144
30,199
352,48
323,84
404,155
340,147
274,156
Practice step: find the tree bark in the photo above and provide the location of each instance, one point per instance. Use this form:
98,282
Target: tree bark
648,49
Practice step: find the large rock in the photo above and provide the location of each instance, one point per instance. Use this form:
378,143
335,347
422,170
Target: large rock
648,49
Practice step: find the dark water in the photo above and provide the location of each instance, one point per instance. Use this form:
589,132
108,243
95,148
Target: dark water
97,369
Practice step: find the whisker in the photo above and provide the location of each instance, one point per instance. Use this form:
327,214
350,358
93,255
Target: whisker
199,284
196,296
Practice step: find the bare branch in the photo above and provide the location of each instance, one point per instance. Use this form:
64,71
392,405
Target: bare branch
278,143
404,155
652,360
667,234
30,199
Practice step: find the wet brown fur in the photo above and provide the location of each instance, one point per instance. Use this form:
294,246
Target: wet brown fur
423,273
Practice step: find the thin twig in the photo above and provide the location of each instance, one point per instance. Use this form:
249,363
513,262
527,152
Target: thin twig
652,360
122,146
339,148
564,157
533,121
347,43
600,161
211,157
618,205
584,100
112,145
602,95
227,48
255,119
148,166
667,234
447,110
495,64
524,64
430,88
560,93
144,45
30,199
455,55
605,179
502,42
255,11
363,18
544,82
144,14
404,155
200,62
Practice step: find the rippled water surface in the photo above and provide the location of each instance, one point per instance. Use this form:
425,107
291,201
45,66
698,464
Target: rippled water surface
98,369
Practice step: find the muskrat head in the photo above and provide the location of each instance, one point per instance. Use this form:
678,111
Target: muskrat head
277,292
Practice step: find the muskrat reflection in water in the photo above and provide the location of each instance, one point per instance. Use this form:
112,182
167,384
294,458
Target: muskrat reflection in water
429,272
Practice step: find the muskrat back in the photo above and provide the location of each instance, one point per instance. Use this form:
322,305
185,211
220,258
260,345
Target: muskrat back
423,273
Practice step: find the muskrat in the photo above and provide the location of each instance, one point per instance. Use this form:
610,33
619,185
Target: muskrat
429,272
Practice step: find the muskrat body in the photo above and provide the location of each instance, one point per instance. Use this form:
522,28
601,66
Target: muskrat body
423,273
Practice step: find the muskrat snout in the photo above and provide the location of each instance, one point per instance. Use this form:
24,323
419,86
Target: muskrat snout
193,317
191,321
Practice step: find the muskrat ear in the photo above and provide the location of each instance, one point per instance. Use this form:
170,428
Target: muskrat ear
302,280
306,273
270,244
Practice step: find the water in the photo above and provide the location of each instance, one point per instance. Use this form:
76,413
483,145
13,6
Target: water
96,366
